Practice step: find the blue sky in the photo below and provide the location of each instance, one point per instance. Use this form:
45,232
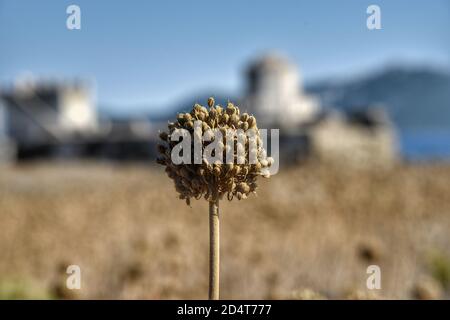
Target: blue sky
145,53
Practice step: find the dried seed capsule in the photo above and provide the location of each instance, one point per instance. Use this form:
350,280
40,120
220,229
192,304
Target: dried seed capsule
197,107
251,122
187,116
201,116
225,118
212,113
243,126
201,171
171,126
214,180
211,102
244,117
180,118
264,163
216,171
205,127
234,120
236,170
163,135
243,187
265,172
231,109
256,167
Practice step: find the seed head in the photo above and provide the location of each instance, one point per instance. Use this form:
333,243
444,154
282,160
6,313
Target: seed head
236,178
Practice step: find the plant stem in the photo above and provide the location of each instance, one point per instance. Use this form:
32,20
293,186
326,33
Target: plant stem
214,245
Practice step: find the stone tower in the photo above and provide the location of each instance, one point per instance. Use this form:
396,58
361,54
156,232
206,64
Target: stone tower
275,94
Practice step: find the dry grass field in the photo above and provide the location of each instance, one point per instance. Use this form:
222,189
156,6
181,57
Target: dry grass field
311,232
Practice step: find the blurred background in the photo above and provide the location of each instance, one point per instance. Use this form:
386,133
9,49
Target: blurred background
364,119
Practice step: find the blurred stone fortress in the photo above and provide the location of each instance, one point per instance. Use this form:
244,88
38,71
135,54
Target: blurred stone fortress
275,95
38,111
59,119
34,114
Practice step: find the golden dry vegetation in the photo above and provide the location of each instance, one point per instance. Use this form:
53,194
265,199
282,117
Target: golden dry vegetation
310,233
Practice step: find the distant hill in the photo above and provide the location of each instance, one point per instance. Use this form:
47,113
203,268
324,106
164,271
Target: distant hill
415,98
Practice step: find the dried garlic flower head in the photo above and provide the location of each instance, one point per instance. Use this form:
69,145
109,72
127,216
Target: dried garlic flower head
237,160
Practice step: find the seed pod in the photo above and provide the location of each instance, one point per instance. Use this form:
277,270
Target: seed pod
201,171
212,113
231,109
264,163
214,180
163,135
234,119
197,107
244,117
211,102
256,167
251,122
180,118
265,172
243,125
171,126
243,187
205,127
201,116
225,118
230,186
216,171
204,110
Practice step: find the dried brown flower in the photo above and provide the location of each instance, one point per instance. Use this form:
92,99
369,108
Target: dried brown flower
215,180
